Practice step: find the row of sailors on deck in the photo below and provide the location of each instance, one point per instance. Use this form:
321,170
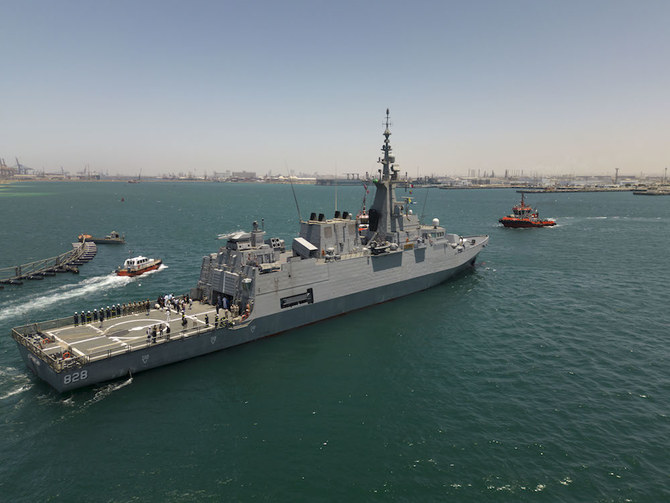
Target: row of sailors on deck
113,311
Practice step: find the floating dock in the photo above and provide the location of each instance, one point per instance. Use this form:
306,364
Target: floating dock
38,270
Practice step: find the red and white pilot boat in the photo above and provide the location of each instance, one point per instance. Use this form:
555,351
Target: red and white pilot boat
138,265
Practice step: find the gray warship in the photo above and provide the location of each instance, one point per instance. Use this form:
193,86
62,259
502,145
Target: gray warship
255,287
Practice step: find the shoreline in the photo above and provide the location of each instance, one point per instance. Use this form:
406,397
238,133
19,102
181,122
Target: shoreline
519,187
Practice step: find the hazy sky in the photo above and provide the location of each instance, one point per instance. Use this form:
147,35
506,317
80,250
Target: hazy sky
168,86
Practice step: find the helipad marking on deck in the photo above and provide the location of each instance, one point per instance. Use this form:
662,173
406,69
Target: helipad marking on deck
97,338
144,327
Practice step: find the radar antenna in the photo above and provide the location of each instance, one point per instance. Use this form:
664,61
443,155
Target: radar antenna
389,170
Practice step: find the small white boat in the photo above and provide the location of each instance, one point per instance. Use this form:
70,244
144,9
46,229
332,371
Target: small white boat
138,265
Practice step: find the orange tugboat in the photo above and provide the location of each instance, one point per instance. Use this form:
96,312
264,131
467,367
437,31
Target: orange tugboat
525,216
138,265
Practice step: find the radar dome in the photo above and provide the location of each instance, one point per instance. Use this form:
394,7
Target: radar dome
436,222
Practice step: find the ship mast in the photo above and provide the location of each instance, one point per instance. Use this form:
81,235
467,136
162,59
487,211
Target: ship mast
389,171
381,211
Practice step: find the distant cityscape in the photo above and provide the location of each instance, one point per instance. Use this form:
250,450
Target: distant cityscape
474,179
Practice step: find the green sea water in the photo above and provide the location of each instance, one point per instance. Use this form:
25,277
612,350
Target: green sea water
542,375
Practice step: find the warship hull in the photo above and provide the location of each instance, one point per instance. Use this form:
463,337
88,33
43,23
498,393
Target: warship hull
91,367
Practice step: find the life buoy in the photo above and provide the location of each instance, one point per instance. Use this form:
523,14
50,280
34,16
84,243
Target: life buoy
66,355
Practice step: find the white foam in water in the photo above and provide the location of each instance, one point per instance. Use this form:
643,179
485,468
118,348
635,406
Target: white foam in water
20,389
61,293
160,268
100,394
107,390
11,378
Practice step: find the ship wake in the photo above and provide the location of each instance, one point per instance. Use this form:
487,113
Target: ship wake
107,390
17,381
78,406
161,267
40,301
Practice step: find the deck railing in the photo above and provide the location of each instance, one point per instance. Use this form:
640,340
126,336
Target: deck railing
32,337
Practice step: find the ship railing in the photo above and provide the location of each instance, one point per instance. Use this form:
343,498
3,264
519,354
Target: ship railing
31,335
358,253
345,256
31,339
34,328
144,344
